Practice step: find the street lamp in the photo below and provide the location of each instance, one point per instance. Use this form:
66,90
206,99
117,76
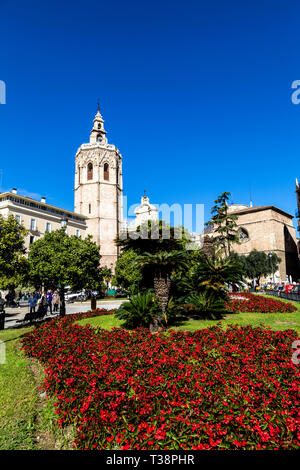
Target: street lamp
270,256
63,222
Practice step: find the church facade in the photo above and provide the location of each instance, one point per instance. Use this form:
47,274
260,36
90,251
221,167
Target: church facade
268,229
98,190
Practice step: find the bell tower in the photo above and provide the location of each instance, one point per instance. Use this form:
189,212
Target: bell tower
98,190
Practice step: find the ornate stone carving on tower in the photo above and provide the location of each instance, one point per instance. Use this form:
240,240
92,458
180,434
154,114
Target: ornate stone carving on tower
99,190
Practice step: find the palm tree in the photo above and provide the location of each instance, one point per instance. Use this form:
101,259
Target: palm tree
216,274
139,311
162,265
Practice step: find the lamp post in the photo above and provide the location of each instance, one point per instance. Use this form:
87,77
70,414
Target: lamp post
63,222
62,309
111,273
270,256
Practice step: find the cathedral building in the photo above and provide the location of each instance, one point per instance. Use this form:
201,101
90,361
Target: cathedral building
268,229
99,190
98,199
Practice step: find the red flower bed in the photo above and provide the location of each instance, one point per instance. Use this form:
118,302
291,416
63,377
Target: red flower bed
257,303
210,389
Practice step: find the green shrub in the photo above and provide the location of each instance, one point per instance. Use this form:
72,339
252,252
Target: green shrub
204,302
139,311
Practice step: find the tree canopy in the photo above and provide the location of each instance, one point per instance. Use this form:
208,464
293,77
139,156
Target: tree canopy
13,262
127,273
61,259
224,226
153,237
258,263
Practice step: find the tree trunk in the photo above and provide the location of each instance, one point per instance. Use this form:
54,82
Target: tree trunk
62,310
93,302
162,286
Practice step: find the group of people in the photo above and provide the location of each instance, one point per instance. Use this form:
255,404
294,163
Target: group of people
44,301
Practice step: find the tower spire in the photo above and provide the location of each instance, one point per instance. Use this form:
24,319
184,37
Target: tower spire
98,133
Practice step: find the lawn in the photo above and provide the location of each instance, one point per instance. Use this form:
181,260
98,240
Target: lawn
276,321
18,395
27,418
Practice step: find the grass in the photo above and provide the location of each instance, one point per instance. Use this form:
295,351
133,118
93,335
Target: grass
276,321
18,396
106,321
27,421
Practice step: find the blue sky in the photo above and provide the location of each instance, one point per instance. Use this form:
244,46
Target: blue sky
195,94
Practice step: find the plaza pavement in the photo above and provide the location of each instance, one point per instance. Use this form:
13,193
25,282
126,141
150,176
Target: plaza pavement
18,313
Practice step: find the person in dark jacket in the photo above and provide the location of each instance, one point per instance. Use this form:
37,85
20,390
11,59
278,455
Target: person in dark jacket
49,297
32,303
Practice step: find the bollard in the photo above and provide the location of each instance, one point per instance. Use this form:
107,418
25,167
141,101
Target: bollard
2,320
93,303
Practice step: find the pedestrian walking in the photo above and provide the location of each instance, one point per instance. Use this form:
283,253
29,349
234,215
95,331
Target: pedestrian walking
42,303
32,303
49,300
55,301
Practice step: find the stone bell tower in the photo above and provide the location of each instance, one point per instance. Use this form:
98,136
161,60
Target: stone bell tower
99,189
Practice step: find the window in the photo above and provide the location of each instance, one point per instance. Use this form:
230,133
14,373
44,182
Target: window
99,138
99,126
32,224
79,175
18,217
90,208
31,240
90,171
243,234
48,227
77,233
106,171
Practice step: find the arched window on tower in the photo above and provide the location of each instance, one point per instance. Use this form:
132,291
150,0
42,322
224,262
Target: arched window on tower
106,172
99,126
78,174
90,171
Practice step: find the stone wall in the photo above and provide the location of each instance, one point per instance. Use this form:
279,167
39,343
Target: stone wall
270,230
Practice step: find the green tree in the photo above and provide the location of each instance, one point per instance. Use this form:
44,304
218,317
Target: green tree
162,264
224,226
259,264
211,274
153,237
59,259
106,275
13,263
127,273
